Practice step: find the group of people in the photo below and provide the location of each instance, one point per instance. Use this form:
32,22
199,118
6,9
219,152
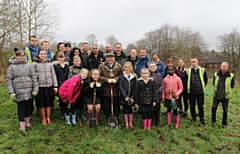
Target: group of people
80,77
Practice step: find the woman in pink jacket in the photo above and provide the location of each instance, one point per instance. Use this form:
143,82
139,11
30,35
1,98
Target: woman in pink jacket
172,89
69,92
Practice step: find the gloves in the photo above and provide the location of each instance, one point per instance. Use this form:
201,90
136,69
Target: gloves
91,84
98,84
112,81
34,93
13,97
55,90
127,99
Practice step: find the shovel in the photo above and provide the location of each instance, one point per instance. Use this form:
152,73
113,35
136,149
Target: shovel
92,122
112,121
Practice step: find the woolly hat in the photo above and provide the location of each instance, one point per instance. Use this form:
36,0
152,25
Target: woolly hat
154,51
67,45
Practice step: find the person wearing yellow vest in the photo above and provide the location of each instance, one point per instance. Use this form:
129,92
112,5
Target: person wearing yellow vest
32,49
196,79
223,82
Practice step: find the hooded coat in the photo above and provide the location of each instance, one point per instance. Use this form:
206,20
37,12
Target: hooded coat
21,79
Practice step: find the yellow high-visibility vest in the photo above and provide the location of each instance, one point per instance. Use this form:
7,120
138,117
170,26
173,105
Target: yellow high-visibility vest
201,72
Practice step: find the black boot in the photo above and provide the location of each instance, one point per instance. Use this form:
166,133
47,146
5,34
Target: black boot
157,117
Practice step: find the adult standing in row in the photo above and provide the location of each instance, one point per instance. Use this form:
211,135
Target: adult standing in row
67,51
196,79
110,72
95,58
120,56
223,82
60,48
108,48
84,54
32,49
142,62
133,58
159,63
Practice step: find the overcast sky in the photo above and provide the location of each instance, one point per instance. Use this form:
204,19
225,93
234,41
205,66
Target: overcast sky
128,20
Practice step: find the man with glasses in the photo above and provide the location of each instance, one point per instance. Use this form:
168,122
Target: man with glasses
32,49
196,80
95,58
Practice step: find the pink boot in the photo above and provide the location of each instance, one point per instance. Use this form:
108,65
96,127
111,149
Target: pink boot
96,117
177,118
144,124
149,121
88,117
169,116
130,118
126,120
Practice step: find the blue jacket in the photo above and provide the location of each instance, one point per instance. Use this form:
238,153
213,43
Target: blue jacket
141,63
160,68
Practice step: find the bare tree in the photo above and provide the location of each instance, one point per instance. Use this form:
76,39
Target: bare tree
111,40
230,44
91,40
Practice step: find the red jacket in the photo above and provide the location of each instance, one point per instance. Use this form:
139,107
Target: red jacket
71,89
172,86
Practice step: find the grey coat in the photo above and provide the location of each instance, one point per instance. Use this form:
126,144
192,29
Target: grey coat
45,73
21,79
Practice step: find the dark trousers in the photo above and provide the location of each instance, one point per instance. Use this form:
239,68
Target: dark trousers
146,115
199,99
225,109
107,106
127,109
31,106
72,108
23,110
61,106
168,106
183,96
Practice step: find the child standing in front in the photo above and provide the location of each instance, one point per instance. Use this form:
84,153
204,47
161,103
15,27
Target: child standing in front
172,89
47,83
22,86
126,86
145,97
88,94
75,69
61,69
70,91
159,83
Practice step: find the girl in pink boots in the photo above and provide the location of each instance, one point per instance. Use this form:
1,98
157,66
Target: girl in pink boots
88,94
22,86
69,92
145,97
172,89
126,85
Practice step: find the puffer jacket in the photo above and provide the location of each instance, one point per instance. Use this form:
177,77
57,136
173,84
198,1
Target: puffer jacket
45,73
61,72
71,89
141,63
105,75
159,82
160,68
21,79
126,87
145,93
172,86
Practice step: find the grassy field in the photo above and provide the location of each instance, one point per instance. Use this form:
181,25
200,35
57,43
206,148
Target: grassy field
62,138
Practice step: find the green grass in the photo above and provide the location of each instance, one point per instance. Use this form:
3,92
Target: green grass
62,138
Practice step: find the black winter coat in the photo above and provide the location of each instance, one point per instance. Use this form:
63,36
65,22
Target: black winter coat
126,87
145,93
94,62
61,73
195,83
87,91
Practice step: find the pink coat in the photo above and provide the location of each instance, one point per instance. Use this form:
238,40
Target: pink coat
172,86
71,89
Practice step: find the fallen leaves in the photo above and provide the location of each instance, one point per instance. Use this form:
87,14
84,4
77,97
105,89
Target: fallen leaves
232,134
100,148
